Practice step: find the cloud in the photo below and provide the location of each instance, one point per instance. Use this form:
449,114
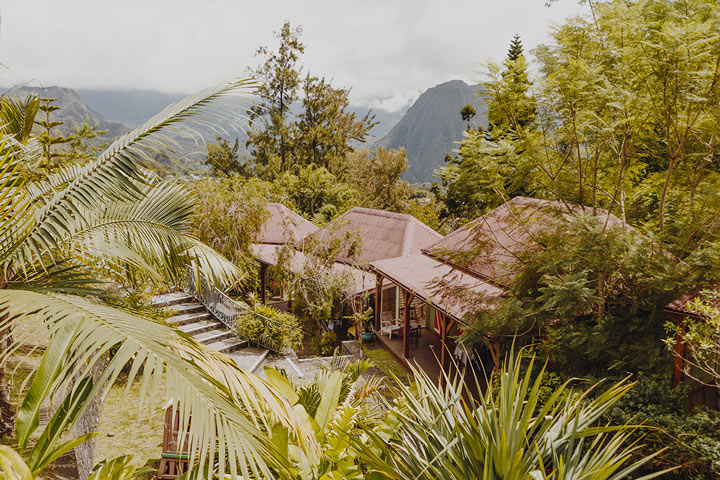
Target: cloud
386,51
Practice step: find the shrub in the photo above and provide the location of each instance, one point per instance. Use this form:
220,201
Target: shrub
324,342
270,328
692,438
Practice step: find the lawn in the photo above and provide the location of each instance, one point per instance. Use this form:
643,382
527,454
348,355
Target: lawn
126,429
387,363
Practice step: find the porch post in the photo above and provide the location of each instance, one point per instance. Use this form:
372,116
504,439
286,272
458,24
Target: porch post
408,297
378,300
443,319
263,274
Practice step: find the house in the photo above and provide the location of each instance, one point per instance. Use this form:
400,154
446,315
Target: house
468,270
702,393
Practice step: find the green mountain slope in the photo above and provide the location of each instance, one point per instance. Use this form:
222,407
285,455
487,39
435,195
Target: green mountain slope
432,126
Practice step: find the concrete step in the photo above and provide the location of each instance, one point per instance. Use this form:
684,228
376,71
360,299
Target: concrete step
170,299
190,307
184,319
228,345
201,326
249,358
213,336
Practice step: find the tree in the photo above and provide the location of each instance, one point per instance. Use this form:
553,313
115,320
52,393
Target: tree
320,133
515,50
325,130
279,77
223,159
316,193
46,138
229,214
377,176
103,222
467,113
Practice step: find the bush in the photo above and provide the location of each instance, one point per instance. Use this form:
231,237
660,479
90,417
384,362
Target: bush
324,342
270,328
692,438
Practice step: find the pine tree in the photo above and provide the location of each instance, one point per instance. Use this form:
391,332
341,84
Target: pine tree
47,140
516,48
270,141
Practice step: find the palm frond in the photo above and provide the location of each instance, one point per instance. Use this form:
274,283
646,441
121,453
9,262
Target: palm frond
227,405
117,174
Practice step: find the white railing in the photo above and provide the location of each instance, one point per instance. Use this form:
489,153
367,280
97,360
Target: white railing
222,306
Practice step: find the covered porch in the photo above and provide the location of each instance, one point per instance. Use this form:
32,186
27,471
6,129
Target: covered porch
420,327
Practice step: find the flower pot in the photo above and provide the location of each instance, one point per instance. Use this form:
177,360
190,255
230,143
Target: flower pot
367,337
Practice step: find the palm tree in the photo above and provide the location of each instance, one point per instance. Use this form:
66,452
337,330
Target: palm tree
64,237
514,432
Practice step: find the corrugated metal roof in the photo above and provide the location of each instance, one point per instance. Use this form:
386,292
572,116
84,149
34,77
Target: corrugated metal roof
268,254
382,234
438,283
284,226
490,245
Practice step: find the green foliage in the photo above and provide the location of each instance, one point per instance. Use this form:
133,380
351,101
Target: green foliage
692,439
377,177
338,405
271,328
506,434
223,159
316,193
229,215
324,342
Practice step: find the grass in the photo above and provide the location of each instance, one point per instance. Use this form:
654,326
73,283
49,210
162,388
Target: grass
387,364
134,432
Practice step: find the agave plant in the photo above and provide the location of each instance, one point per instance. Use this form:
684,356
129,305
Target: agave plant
66,242
510,433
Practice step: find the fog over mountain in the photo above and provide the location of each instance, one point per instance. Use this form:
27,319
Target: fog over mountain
428,129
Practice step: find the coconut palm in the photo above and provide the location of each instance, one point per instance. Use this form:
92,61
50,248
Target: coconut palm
69,241
514,432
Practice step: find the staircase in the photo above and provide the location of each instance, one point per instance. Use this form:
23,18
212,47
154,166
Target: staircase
191,317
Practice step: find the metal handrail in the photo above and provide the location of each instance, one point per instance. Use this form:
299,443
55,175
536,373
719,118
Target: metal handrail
221,305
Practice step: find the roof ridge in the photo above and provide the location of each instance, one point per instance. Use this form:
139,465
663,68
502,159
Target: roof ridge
408,236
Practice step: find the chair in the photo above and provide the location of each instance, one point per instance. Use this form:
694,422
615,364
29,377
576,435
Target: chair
388,324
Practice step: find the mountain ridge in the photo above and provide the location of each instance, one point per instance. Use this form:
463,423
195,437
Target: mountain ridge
432,126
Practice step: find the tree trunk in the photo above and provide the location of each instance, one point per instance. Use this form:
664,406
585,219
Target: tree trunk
87,423
6,411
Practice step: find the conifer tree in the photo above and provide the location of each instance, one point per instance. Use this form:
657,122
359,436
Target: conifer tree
50,157
516,48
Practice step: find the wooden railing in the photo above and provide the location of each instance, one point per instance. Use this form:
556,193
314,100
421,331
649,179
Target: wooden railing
221,306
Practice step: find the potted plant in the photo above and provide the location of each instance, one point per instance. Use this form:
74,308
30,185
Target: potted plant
363,321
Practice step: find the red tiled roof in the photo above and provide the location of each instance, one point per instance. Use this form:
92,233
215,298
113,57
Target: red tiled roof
284,226
422,275
382,234
490,245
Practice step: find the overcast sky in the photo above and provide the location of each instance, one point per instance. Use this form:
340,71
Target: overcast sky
387,51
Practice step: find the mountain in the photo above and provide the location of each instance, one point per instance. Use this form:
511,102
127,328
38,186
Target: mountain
130,107
432,126
73,111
